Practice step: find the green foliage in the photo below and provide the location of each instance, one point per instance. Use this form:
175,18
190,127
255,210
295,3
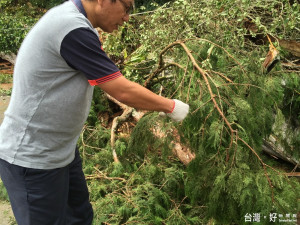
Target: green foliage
144,5
239,190
142,132
3,192
227,179
4,3
139,199
4,92
5,78
15,22
99,105
45,4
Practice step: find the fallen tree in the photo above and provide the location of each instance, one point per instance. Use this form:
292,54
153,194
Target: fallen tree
234,106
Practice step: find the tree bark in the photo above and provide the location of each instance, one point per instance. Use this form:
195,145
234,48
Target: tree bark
270,147
292,46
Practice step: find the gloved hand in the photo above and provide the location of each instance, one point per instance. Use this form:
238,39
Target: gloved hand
179,112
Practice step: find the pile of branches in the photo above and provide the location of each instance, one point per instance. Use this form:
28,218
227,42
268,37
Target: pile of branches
145,169
220,142
221,173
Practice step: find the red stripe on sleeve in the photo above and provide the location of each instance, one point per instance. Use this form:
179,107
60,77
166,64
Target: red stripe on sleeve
105,79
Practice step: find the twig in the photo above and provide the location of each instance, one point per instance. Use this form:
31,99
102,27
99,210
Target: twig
201,106
181,82
161,67
177,208
188,93
101,175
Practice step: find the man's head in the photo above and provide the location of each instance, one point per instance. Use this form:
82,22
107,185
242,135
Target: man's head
108,14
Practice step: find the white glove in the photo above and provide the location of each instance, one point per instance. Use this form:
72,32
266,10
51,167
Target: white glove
179,112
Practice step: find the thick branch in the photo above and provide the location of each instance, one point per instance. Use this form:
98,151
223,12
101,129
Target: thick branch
181,151
116,123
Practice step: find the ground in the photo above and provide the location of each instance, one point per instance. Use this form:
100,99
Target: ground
6,214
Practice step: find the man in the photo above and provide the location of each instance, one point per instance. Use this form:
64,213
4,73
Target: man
59,62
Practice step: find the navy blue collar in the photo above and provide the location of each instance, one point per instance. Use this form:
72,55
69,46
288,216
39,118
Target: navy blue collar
80,7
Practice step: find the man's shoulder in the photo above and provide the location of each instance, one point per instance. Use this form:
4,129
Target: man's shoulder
65,17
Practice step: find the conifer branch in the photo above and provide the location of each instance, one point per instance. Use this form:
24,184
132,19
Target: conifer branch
223,76
205,40
204,75
263,164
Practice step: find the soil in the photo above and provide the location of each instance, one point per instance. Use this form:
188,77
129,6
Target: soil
6,214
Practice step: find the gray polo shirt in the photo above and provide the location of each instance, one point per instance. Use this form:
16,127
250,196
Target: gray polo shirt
59,62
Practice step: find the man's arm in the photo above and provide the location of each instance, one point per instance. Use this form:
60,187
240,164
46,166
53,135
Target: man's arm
134,95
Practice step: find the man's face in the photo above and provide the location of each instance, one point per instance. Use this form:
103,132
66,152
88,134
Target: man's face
111,15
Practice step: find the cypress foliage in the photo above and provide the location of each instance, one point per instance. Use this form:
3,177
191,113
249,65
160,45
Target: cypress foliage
230,177
234,105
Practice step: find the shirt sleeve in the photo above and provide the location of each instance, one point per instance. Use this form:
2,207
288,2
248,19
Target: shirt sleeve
82,50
